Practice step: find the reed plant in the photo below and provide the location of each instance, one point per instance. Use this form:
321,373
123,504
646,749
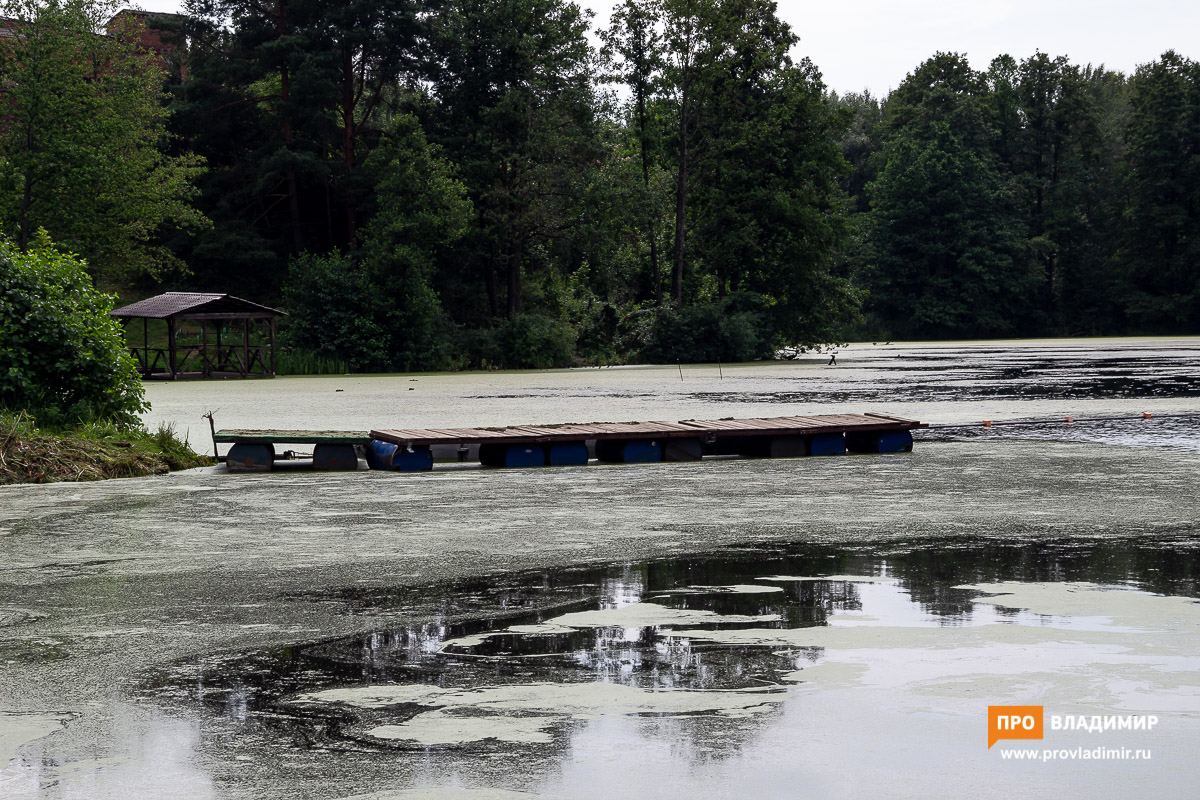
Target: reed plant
291,361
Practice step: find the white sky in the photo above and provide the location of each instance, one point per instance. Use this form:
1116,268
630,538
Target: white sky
873,44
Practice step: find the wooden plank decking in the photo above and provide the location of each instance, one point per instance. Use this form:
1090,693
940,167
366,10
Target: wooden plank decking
290,437
705,429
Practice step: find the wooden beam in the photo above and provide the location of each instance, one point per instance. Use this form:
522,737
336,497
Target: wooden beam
229,315
171,347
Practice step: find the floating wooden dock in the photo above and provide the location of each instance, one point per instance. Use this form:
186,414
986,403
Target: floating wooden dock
771,426
254,450
410,449
635,442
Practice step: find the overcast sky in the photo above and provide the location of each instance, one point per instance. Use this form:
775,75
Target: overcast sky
873,44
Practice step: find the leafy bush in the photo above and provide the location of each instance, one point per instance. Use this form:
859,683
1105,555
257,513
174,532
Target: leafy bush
736,328
342,312
61,356
594,320
329,303
527,341
597,341
478,348
531,341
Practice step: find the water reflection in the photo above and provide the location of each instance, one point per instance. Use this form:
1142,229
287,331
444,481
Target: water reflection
710,636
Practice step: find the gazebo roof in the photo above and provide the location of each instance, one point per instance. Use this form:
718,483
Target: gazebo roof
174,304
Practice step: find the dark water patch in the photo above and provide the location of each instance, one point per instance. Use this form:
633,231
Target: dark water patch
10,617
931,375
924,376
627,625
970,386
555,392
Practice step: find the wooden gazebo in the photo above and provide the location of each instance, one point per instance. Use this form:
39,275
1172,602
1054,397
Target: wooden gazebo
202,355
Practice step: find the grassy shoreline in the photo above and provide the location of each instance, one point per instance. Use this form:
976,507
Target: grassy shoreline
89,452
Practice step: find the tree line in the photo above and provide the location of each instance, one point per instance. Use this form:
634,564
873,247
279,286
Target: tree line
426,184
1032,198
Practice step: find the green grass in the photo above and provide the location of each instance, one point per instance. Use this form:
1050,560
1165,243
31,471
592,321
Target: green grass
303,362
91,451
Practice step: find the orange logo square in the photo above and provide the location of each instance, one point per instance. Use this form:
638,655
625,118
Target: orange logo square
1014,722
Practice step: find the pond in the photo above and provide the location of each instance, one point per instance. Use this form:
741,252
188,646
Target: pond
769,628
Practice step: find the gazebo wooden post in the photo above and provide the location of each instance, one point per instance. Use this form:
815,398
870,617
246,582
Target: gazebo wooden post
171,347
245,346
146,346
272,319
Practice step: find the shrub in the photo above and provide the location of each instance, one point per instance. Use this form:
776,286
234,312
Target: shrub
341,311
597,341
331,313
478,348
531,341
736,328
61,356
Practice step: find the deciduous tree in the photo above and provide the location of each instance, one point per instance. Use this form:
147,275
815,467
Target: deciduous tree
83,141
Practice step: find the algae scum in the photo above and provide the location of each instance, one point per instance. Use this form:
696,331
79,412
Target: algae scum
709,651
774,628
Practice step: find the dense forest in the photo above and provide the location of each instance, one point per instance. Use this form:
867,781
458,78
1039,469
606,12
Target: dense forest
428,184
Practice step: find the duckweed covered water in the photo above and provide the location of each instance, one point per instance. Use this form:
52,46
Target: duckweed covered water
740,628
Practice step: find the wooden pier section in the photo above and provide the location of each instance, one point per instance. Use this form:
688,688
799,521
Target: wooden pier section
636,442
410,449
254,450
714,429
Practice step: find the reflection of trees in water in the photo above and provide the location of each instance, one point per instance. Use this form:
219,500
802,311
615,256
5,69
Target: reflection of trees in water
654,658
625,588
643,657
929,573
800,603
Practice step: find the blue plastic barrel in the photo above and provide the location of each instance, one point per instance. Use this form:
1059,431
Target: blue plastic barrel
683,449
250,457
385,455
827,444
880,441
567,454
629,451
774,446
512,455
335,457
